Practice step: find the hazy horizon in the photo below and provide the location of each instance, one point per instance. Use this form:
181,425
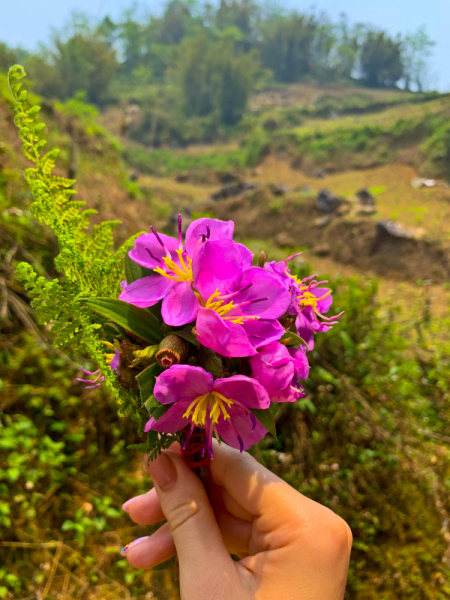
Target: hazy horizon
26,23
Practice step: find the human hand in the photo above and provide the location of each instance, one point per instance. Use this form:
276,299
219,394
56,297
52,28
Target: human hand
290,547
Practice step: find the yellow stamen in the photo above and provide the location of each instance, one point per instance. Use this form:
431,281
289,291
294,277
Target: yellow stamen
215,402
309,299
109,358
181,272
222,309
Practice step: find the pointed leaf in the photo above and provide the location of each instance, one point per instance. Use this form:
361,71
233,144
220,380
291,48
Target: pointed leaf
186,334
147,380
132,318
133,271
265,417
292,339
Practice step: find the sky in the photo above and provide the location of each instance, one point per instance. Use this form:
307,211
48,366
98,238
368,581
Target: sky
27,22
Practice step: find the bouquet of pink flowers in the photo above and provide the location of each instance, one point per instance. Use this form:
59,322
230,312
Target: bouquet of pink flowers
201,341
237,336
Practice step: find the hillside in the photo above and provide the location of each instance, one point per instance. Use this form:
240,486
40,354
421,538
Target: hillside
372,438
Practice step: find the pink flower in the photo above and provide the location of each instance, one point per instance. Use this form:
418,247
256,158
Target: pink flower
308,301
279,369
239,306
172,263
222,407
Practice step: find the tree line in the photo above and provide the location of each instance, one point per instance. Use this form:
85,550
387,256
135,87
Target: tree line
205,61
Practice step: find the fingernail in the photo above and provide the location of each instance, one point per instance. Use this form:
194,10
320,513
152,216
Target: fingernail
163,471
132,544
126,505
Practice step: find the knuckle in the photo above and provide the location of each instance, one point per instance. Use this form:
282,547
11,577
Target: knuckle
182,513
339,536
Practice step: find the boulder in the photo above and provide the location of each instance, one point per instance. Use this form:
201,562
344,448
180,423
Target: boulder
320,173
327,202
419,182
322,250
366,211
227,178
231,190
392,229
365,197
279,189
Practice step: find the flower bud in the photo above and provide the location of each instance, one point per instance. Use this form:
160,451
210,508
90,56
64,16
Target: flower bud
210,361
262,259
172,351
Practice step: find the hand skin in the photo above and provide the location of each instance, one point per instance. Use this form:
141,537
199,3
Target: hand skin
290,547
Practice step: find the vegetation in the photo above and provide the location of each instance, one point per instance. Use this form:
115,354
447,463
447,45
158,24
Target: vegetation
372,439
193,70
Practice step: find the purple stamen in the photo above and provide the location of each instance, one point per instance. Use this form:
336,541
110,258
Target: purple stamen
160,241
94,387
203,238
188,437
291,257
180,231
86,372
267,320
258,337
252,417
233,294
158,260
208,232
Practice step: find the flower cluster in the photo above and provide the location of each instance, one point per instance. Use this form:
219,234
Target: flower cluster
237,334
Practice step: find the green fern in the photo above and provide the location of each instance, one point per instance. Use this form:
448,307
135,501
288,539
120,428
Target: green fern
89,262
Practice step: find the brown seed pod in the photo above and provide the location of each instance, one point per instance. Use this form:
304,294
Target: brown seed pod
172,351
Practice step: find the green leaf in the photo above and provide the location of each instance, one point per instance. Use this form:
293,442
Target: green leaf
132,318
146,381
186,334
133,271
151,404
160,411
265,417
292,339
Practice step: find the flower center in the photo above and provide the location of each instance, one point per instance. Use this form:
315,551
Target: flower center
215,402
217,305
176,272
306,298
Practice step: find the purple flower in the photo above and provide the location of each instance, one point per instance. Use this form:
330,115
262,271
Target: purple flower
99,379
172,263
308,301
222,407
239,306
278,369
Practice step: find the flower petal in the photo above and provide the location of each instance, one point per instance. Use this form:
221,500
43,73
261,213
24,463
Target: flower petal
219,230
249,429
273,366
180,306
217,266
246,255
147,291
182,382
304,328
244,389
288,394
212,331
301,364
148,243
239,344
260,333
323,306
171,421
276,298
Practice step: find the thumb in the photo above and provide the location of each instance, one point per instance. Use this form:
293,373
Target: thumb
191,519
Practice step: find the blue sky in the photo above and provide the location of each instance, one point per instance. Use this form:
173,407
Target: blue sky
27,22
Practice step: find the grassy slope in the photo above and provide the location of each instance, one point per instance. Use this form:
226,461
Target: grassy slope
357,449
